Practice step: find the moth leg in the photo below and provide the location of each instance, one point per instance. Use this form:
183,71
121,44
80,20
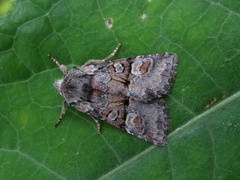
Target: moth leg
62,67
62,113
98,125
112,54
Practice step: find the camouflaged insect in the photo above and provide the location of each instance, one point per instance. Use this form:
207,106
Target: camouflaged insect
126,92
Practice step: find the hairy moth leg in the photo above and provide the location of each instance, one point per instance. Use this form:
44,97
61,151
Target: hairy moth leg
98,125
112,54
62,113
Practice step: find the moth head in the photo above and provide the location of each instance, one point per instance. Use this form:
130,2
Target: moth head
58,84
75,86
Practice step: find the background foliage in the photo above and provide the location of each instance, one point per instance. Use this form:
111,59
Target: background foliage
204,101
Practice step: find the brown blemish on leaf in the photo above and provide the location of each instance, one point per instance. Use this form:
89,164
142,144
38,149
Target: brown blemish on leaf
143,16
224,94
210,102
109,23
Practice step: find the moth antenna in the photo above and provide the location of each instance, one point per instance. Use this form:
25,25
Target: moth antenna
112,54
62,67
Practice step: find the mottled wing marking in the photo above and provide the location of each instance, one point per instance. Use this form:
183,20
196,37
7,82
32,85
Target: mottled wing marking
126,92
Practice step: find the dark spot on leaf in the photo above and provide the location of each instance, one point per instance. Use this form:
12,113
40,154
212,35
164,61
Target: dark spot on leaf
109,23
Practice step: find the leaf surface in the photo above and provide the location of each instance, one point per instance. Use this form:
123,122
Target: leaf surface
204,101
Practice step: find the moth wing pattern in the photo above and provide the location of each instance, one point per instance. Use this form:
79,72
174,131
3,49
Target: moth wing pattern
125,93
130,91
148,121
154,75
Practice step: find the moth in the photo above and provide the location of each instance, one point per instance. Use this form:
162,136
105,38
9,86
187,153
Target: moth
126,93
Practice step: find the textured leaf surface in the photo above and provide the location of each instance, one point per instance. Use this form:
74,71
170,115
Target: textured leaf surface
204,101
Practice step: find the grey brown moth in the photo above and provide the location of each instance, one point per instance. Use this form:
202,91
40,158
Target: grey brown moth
126,93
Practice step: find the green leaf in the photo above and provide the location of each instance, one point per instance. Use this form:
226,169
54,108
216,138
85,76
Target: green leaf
204,101
5,5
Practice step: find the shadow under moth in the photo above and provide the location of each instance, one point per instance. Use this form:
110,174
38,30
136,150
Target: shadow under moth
126,93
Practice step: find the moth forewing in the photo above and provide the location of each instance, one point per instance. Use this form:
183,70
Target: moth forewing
125,92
